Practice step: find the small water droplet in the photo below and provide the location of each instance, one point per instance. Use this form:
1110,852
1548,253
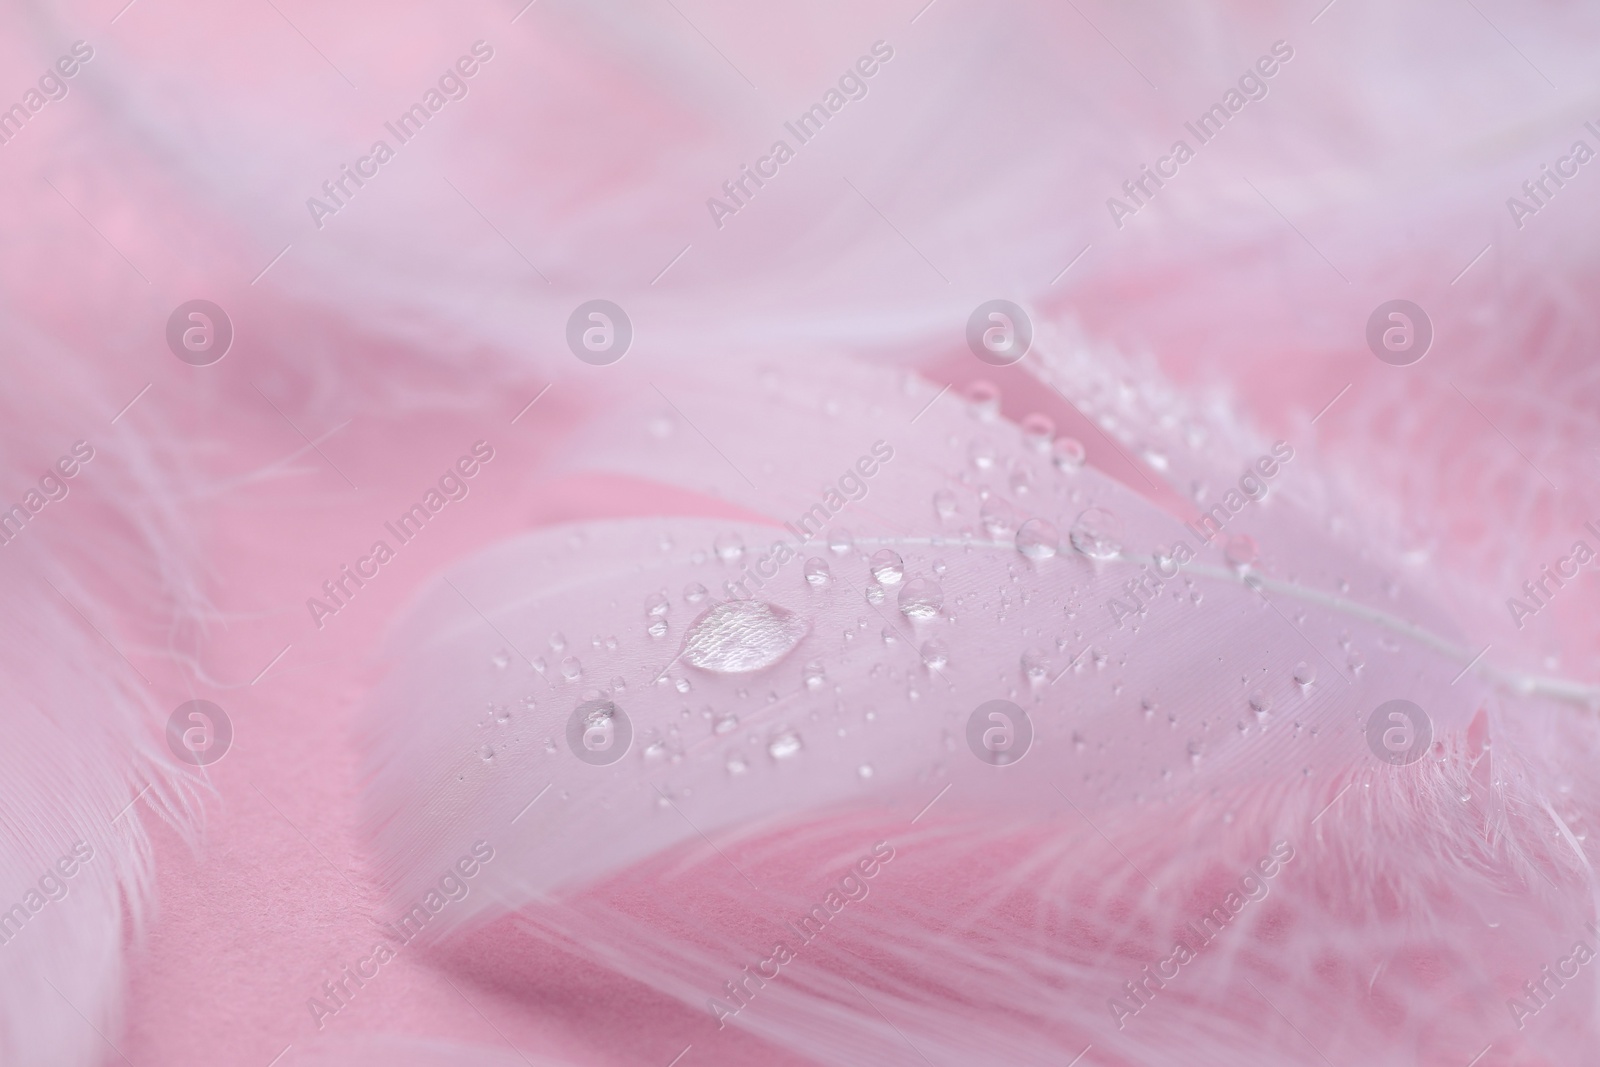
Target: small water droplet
656,605
1304,674
814,675
944,503
487,752
982,453
1097,533
681,685
935,654
558,641
983,400
1068,454
998,517
864,771
817,572
1038,539
724,724
1242,551
500,659
1260,703
657,628
785,745
921,598
694,592
737,765
840,541
1037,430
571,669
1033,665
887,567
728,547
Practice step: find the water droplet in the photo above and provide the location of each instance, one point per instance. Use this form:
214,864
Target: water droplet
817,572
724,724
500,659
785,745
1037,430
1033,665
998,517
657,628
728,547
1038,539
921,598
487,752
983,400
558,641
982,453
681,685
1068,454
656,605
887,567
935,654
864,771
1097,533
1304,674
571,669
742,636
737,765
939,567
840,541
1242,551
944,503
814,675
694,592
1260,703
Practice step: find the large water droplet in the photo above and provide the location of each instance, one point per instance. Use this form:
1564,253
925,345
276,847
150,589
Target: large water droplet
1038,539
1097,533
921,598
742,636
887,567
